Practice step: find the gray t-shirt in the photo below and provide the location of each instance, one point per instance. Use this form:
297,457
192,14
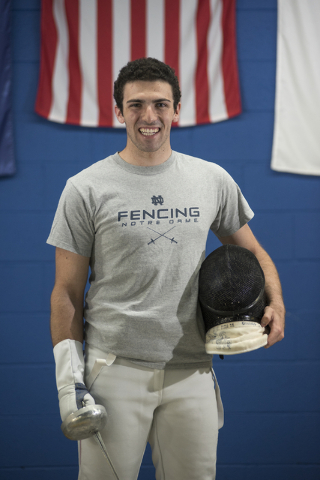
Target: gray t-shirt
145,231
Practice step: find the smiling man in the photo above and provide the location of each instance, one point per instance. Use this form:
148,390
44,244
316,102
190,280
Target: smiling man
148,112
140,219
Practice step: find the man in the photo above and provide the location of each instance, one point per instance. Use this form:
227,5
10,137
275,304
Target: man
139,219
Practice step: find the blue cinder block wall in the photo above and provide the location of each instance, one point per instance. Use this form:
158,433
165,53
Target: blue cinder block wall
271,397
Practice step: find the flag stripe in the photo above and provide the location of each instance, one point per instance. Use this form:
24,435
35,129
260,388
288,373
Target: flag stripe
88,62
105,84
229,60
47,59
60,78
73,109
121,40
138,29
90,42
188,61
202,84
172,27
217,104
155,29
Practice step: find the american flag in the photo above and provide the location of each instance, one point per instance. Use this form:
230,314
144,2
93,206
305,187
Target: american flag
84,44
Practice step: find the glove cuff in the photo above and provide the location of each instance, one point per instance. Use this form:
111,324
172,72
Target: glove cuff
68,356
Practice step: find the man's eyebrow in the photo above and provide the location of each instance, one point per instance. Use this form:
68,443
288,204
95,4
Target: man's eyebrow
138,100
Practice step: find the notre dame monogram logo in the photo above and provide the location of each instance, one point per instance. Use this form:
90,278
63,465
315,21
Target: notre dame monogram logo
157,200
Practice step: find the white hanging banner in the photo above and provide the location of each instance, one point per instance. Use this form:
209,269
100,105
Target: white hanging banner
296,142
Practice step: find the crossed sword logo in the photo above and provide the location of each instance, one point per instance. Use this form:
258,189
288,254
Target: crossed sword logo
162,235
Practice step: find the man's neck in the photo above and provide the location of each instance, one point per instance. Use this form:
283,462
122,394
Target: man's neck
145,159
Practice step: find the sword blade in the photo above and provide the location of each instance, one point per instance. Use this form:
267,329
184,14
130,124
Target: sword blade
101,444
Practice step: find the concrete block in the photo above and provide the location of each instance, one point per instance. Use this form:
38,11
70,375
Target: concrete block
275,233
265,472
147,473
308,333
106,141
147,458
290,439
27,340
256,5
307,233
26,35
21,287
269,190
256,34
39,139
24,236
24,86
39,442
26,4
24,190
36,473
183,139
268,387
246,137
300,283
257,81
38,380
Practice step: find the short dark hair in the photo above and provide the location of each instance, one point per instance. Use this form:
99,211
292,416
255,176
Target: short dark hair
149,70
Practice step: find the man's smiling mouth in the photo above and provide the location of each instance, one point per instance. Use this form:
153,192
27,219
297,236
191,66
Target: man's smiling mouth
149,131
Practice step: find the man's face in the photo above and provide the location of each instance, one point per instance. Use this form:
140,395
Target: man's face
148,114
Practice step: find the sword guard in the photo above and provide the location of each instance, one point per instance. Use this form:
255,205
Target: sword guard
85,422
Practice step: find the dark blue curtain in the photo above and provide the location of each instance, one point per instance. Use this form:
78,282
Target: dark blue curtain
7,162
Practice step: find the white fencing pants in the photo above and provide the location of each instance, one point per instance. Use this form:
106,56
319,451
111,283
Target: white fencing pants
175,410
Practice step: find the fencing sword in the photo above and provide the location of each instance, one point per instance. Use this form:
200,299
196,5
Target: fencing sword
87,422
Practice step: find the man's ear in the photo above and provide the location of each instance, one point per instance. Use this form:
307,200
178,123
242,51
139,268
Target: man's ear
176,113
119,115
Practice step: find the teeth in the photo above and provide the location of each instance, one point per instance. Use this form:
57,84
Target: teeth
149,131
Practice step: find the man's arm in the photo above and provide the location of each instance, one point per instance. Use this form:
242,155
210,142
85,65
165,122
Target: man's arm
67,331
274,315
67,296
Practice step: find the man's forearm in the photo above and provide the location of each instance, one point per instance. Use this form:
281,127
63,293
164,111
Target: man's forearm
66,319
272,286
274,315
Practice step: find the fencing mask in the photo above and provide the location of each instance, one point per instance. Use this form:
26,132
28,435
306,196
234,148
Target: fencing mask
232,300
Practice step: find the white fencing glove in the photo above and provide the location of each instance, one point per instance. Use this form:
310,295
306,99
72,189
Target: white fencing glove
72,392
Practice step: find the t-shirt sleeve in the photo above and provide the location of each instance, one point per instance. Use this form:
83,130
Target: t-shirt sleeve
72,227
234,211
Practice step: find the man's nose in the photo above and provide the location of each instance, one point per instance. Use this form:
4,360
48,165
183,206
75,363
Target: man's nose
149,114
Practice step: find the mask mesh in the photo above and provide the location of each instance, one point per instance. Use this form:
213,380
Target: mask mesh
231,286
